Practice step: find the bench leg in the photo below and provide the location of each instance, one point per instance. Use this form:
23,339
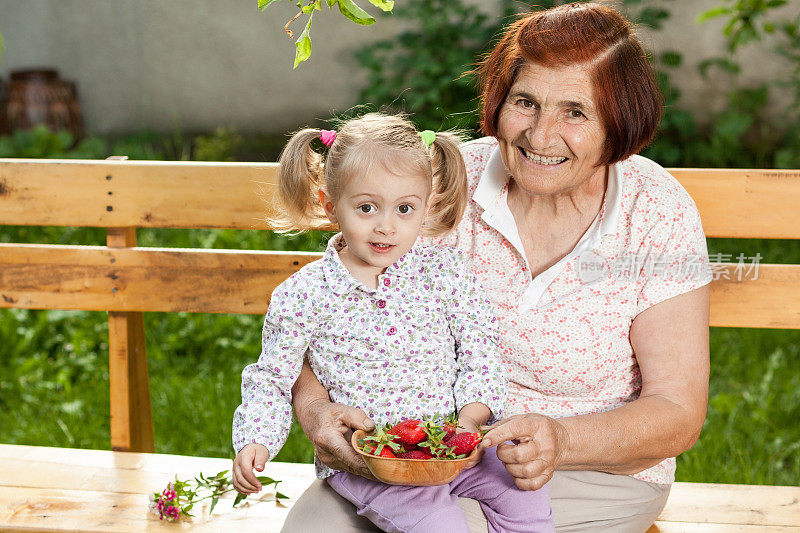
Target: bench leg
131,416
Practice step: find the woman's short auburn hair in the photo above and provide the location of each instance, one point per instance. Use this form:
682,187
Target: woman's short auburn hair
627,96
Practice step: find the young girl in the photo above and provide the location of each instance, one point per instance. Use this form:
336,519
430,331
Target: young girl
388,325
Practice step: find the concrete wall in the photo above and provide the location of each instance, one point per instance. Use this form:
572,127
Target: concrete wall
199,64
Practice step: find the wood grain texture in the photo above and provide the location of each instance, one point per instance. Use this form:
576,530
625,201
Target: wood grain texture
129,383
61,489
228,281
148,194
145,194
743,203
56,489
96,278
768,298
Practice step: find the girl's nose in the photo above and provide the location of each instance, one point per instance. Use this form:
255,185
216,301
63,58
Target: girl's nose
385,226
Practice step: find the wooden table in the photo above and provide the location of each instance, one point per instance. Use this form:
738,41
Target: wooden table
62,489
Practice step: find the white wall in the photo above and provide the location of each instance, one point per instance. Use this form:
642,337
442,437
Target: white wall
198,64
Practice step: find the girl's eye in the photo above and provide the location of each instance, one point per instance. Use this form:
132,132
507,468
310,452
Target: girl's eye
405,209
366,208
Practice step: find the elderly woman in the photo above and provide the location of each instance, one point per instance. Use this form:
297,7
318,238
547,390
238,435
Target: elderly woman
596,261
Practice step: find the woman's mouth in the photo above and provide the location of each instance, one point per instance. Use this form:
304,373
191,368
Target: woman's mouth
546,161
381,248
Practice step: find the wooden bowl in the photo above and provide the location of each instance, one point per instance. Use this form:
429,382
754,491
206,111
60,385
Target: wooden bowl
421,472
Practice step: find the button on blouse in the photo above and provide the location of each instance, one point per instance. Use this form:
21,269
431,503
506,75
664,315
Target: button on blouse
438,352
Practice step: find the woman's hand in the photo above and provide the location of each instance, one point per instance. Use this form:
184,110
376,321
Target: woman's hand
537,444
329,425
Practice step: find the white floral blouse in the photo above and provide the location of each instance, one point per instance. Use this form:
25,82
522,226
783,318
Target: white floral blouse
423,342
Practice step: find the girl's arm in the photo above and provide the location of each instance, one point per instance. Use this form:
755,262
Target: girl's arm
265,414
472,416
481,377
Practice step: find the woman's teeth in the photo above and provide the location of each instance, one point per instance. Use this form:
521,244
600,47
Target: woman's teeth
541,160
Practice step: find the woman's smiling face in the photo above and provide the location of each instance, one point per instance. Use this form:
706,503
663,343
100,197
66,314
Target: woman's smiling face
549,129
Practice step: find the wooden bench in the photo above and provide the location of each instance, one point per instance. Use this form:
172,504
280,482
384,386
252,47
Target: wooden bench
90,490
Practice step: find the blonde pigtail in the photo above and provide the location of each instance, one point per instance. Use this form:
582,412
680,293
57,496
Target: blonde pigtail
449,194
301,175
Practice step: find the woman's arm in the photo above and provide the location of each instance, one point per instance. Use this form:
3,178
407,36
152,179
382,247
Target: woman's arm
328,424
670,340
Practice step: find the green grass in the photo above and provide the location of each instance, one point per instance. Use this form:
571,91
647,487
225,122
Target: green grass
54,377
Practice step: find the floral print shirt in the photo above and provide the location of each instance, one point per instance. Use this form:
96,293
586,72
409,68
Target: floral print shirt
423,342
565,333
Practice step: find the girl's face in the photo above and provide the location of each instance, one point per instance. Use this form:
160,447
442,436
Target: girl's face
380,214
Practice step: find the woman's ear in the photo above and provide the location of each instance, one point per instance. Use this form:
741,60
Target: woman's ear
327,205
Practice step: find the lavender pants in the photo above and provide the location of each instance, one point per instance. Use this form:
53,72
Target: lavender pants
400,508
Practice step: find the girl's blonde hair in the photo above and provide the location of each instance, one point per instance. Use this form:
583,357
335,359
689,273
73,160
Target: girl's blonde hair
390,141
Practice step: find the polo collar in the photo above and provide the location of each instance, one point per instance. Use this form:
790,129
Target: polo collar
341,281
492,192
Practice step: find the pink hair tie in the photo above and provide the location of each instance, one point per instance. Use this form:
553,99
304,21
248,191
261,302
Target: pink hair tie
327,137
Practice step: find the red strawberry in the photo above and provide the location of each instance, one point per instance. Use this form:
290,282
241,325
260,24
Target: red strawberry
415,454
463,443
449,426
386,452
408,432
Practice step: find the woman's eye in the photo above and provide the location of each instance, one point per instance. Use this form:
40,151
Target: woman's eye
366,208
405,209
574,113
526,103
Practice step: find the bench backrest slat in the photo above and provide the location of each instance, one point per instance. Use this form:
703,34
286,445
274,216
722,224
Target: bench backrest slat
140,194
96,278
147,194
227,281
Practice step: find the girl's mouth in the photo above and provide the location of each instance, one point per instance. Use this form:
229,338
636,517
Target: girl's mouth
381,248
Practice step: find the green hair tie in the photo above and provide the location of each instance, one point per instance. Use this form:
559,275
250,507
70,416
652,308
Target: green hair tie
428,137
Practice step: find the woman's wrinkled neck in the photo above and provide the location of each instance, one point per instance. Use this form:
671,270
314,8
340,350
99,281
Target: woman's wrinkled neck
581,202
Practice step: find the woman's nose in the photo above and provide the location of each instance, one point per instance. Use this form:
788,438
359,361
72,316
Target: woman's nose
541,131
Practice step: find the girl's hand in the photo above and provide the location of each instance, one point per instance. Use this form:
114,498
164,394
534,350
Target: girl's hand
329,425
470,418
252,456
537,445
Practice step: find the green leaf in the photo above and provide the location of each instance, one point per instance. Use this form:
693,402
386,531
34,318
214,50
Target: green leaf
331,2
386,5
671,58
303,45
349,9
723,63
239,498
262,4
311,7
266,480
714,12
214,501
281,496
